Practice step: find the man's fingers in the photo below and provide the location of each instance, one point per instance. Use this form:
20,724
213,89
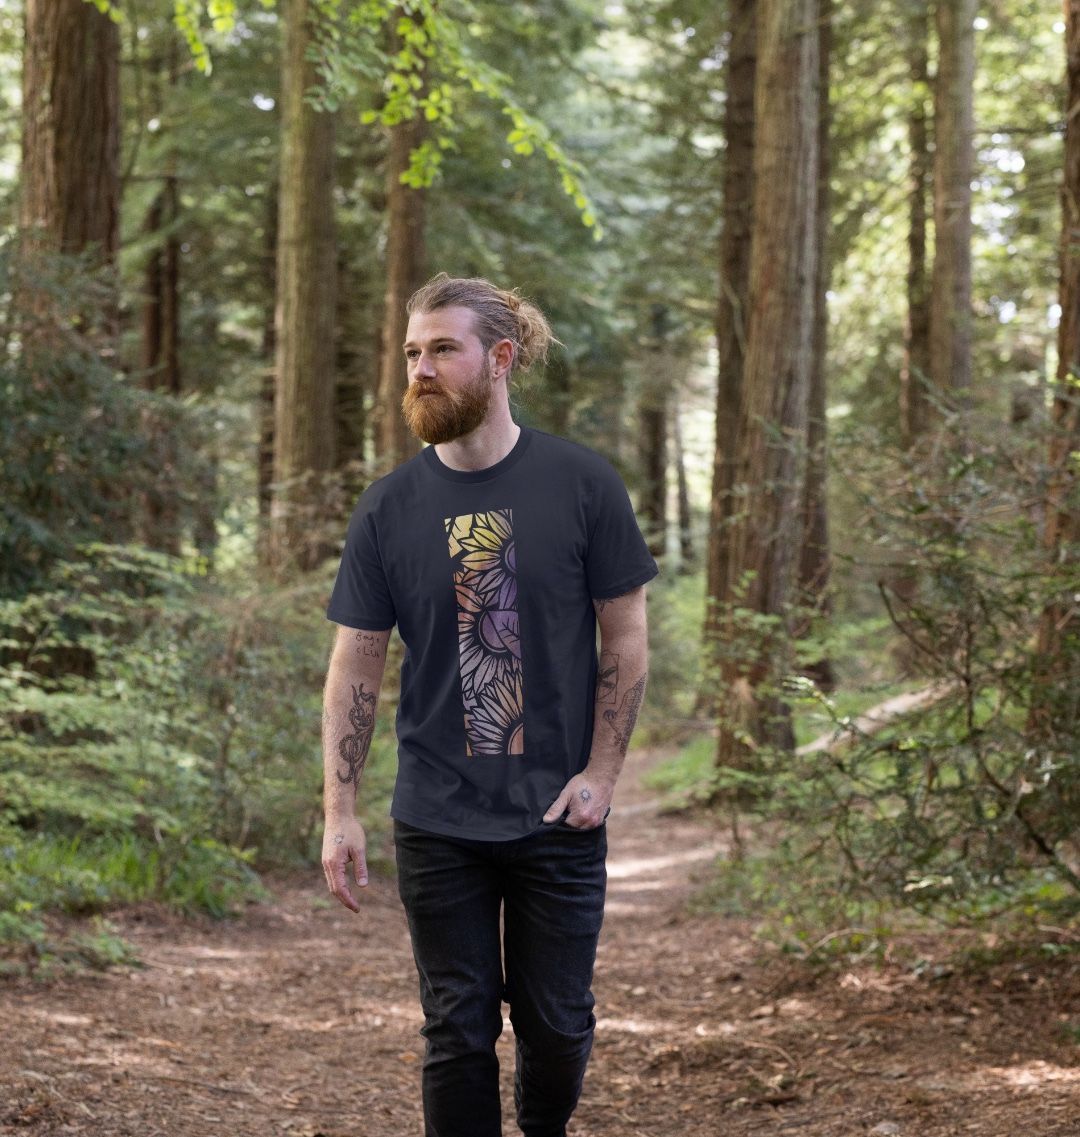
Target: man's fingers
359,866
558,807
339,886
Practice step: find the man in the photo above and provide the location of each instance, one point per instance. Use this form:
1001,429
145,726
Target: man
496,550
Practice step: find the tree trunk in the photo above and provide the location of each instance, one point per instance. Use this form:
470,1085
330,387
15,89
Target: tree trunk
814,560
304,313
70,172
915,372
267,354
1055,710
686,541
731,313
950,290
766,533
162,522
652,416
406,271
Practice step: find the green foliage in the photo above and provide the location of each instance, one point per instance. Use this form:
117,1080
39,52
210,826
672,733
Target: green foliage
953,808
433,68
159,737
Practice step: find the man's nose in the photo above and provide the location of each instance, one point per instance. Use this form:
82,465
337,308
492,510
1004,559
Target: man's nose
424,367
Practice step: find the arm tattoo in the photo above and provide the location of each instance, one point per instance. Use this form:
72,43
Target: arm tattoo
354,747
622,721
369,645
607,678
601,605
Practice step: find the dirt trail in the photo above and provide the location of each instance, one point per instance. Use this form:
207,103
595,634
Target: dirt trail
301,1019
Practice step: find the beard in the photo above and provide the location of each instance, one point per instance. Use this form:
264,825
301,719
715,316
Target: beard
445,415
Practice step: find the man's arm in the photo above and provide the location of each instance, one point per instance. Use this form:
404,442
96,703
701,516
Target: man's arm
620,690
350,695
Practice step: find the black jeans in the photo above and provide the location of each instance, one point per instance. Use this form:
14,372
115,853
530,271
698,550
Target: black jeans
551,888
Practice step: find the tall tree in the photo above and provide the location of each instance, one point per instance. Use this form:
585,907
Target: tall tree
406,270
765,534
652,440
1055,707
954,116
731,320
161,299
161,305
304,313
814,557
915,372
70,172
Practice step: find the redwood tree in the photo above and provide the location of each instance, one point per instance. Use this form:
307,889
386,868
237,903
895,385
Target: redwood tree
1055,712
304,314
765,532
731,317
950,289
70,171
406,271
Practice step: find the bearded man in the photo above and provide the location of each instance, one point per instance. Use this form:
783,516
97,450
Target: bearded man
497,550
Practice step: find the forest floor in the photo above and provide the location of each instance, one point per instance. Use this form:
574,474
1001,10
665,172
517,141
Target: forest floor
299,1018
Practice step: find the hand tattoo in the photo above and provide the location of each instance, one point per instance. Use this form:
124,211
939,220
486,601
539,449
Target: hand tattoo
585,796
339,838
354,747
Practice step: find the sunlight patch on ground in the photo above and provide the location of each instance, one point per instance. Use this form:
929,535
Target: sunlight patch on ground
621,867
1031,1075
633,1026
642,885
64,1018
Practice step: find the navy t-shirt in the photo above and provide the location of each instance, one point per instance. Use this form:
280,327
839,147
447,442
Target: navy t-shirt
490,577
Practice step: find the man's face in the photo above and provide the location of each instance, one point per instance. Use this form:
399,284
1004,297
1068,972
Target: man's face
450,382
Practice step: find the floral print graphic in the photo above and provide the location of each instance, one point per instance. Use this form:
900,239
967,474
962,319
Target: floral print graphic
481,549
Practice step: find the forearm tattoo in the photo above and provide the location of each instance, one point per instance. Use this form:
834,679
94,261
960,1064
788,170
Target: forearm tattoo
353,748
607,678
368,644
622,721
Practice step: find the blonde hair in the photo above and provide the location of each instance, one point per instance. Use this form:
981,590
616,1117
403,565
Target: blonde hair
498,315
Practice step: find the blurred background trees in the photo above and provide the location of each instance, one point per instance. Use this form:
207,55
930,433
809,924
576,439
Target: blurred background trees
817,300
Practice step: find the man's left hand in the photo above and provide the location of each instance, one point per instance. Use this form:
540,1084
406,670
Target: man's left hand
588,799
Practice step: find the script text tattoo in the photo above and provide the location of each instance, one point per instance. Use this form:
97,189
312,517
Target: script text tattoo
368,645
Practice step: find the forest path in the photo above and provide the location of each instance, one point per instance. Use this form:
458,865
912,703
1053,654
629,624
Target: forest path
301,1019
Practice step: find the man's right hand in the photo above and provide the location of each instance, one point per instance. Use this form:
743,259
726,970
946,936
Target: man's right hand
344,841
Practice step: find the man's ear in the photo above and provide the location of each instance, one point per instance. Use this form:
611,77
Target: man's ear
502,357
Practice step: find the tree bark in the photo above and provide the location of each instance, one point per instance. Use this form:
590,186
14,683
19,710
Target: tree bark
304,313
950,290
1054,716
766,533
70,172
731,316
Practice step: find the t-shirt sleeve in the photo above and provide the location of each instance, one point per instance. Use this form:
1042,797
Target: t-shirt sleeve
361,596
618,559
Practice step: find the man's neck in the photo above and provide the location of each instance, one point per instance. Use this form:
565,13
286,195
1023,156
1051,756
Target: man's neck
489,443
